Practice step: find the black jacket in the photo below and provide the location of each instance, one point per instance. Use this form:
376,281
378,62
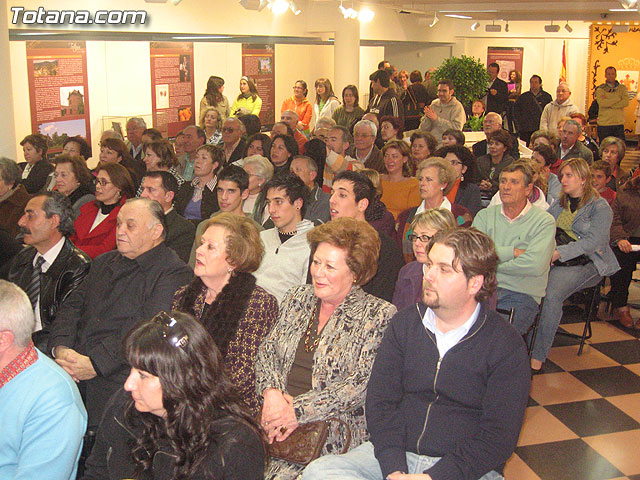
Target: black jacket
114,296
528,110
386,104
500,101
481,148
110,458
208,205
63,276
466,407
390,261
180,234
37,177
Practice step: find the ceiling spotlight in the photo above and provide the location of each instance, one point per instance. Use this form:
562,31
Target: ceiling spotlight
475,26
552,28
568,27
296,11
348,12
435,19
628,3
506,27
493,27
366,15
278,7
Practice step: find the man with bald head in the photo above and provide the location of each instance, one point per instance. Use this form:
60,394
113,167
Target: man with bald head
193,137
123,286
290,118
232,139
562,106
492,122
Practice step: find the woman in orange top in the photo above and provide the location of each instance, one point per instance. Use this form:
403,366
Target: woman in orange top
400,191
299,104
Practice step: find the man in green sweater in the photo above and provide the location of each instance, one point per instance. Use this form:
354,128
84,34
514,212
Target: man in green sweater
524,236
612,97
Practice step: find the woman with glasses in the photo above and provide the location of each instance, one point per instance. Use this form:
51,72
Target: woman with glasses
114,150
299,104
96,225
436,177
178,416
424,226
464,191
74,181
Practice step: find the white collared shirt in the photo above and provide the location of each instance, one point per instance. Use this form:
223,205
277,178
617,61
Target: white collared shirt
524,211
445,204
49,257
445,341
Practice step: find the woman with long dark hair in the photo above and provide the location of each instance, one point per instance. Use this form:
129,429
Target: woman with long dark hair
350,112
213,97
178,416
326,101
248,102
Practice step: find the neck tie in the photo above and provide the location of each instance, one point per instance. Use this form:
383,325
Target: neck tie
33,291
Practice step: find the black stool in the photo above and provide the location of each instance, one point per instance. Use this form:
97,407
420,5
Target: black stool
591,300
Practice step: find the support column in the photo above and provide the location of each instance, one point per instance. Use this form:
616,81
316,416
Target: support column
7,126
346,55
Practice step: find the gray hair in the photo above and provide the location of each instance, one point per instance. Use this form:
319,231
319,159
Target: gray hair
110,134
608,141
156,211
263,166
575,124
138,121
243,129
9,171
294,112
494,115
346,135
311,163
58,204
367,123
564,84
16,313
325,122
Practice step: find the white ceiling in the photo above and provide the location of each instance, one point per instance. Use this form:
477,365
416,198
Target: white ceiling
586,10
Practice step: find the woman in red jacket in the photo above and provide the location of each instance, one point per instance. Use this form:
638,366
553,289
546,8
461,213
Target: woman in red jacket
96,224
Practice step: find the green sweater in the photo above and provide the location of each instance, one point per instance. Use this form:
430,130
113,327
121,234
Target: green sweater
534,233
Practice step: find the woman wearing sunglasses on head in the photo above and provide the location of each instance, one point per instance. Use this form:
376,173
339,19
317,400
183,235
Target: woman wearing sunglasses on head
178,416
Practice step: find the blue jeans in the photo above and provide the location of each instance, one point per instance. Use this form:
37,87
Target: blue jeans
361,464
563,282
525,308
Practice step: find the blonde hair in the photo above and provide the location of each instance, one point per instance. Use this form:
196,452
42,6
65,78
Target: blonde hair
374,176
579,167
435,218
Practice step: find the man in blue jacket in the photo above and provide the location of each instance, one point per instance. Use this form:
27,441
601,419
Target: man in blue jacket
450,382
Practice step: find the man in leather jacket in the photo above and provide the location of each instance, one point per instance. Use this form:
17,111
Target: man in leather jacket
47,223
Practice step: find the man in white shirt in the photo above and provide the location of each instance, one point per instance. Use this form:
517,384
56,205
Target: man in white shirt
50,268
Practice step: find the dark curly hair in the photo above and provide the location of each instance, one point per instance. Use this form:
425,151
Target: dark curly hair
196,392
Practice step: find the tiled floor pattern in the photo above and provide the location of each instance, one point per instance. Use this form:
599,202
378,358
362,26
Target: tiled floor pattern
583,419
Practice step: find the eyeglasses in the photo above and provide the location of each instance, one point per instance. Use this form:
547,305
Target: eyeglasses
423,238
228,129
172,332
101,181
455,163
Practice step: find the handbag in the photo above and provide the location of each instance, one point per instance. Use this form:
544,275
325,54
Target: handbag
563,238
306,442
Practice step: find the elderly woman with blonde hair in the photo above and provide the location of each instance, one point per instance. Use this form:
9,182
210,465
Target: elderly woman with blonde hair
436,177
423,227
316,362
224,297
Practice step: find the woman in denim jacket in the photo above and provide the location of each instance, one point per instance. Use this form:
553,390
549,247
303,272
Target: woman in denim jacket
586,218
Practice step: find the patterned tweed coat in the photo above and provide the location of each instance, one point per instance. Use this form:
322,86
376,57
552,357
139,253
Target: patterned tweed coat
341,364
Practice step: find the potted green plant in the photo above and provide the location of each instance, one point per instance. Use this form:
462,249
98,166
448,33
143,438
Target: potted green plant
469,76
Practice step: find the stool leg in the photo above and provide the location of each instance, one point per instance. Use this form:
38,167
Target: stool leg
586,334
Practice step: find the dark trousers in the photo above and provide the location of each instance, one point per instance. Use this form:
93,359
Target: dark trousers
621,280
611,131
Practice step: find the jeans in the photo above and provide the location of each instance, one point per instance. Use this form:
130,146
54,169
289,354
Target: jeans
563,282
361,464
525,308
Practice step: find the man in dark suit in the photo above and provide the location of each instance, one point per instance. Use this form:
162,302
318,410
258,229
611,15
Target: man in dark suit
498,92
492,122
232,139
135,128
50,268
162,187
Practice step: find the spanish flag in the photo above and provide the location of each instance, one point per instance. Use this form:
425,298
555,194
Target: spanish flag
563,71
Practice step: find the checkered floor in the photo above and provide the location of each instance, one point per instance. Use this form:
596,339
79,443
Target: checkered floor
583,419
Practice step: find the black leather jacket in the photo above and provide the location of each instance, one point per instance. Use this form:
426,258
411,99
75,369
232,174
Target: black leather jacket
62,278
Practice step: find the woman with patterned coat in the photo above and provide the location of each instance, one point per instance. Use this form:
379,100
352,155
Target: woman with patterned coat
316,362
224,297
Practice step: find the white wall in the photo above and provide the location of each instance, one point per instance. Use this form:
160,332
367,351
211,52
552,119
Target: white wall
413,57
